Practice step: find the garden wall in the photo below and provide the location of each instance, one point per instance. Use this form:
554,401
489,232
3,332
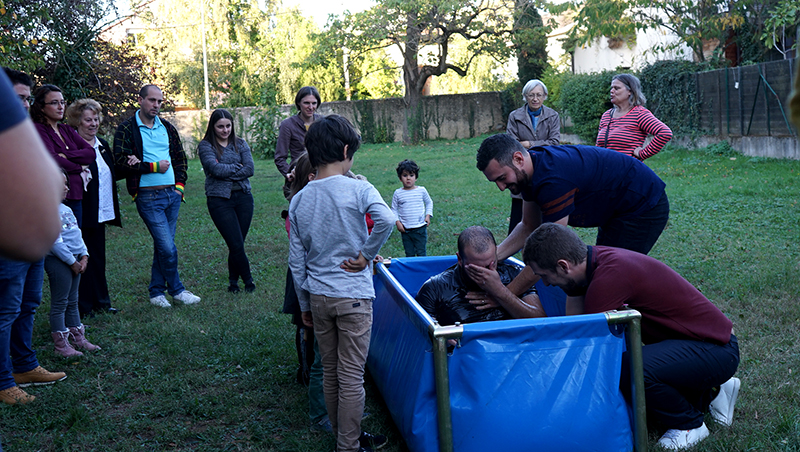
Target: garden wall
381,120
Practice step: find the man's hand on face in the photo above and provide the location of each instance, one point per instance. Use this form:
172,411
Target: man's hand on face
486,278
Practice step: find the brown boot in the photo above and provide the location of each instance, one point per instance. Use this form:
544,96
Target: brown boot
15,395
77,333
37,377
63,346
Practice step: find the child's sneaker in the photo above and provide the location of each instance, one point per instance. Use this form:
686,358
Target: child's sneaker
186,297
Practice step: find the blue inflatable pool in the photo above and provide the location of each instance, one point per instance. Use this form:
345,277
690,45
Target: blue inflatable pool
531,384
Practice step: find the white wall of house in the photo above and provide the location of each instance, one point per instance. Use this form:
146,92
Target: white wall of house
599,55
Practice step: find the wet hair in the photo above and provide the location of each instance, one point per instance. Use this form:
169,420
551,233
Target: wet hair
211,136
302,169
407,166
37,113
18,77
146,89
326,139
500,147
76,109
306,91
531,85
633,84
550,243
477,238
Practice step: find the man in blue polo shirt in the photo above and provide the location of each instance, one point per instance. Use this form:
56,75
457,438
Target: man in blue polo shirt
581,186
148,151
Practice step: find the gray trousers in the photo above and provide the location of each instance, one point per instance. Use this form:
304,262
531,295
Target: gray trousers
63,294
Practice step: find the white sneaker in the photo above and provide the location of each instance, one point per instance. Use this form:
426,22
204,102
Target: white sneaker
722,406
160,301
186,297
683,439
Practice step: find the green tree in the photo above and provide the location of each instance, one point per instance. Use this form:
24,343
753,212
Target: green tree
235,32
697,23
781,26
423,32
530,42
56,41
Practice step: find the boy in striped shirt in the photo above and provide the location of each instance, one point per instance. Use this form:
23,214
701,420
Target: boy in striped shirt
413,207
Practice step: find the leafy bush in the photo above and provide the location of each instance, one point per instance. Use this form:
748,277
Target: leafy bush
671,94
722,148
584,98
264,131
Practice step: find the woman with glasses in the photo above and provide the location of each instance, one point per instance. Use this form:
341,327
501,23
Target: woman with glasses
69,150
533,124
627,125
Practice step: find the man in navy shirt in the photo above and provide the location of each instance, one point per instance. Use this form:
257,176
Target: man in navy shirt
582,186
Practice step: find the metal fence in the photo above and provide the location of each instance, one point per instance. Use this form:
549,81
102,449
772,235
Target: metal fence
746,100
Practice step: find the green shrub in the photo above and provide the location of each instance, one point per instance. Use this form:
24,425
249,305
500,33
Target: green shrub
264,131
671,94
584,98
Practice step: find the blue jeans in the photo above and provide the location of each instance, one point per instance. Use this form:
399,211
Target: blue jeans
232,217
159,211
20,295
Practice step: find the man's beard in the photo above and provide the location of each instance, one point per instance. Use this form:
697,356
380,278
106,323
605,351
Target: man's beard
522,181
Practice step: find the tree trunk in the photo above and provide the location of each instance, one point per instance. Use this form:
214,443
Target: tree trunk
411,77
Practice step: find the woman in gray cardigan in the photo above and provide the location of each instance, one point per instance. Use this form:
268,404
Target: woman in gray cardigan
228,165
533,124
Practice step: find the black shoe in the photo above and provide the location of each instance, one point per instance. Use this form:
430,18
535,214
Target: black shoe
370,442
111,310
250,287
234,289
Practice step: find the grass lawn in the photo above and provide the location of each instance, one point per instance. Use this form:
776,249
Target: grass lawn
220,375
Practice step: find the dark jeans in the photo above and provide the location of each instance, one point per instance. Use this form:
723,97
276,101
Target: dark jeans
20,295
636,233
93,292
159,210
232,218
63,294
516,214
414,241
680,377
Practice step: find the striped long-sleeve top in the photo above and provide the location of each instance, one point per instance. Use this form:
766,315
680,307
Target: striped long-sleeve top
629,132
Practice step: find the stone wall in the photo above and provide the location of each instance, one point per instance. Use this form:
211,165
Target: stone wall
446,117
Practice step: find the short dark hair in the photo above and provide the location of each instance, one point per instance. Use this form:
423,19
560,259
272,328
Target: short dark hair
500,147
408,166
306,91
326,139
145,89
211,136
478,238
38,102
18,77
550,243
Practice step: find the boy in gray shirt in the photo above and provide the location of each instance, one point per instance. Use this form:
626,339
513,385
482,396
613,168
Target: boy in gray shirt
329,255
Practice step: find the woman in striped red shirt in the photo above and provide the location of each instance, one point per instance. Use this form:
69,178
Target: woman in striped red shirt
625,127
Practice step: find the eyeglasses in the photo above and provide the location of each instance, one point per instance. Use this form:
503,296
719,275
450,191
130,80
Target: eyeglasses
56,102
28,99
535,95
